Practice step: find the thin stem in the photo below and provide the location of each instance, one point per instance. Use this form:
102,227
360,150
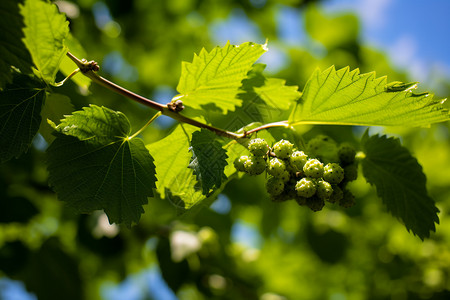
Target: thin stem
267,126
146,125
89,69
58,84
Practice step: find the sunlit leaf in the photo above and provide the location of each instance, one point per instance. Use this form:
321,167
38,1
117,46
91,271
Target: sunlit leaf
94,165
215,77
348,98
176,182
400,183
20,114
45,31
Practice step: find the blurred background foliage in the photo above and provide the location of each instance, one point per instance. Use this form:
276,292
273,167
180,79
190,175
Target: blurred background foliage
243,246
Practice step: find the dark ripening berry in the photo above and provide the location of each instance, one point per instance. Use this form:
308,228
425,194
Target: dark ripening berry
315,203
323,189
239,163
255,165
297,160
274,186
305,187
288,194
258,147
337,194
346,154
350,172
348,200
333,173
276,167
313,168
283,149
301,200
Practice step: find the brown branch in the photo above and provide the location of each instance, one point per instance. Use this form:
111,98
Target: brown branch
89,69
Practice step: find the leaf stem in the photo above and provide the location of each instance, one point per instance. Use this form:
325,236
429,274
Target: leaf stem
146,125
58,84
267,126
89,69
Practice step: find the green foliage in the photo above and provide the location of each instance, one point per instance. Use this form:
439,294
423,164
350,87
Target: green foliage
20,114
45,33
400,182
332,31
53,273
94,165
208,160
215,77
176,182
272,91
346,97
12,49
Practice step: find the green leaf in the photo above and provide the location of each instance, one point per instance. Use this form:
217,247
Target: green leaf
94,165
12,50
208,160
346,97
20,114
67,66
270,98
400,183
45,31
215,77
176,181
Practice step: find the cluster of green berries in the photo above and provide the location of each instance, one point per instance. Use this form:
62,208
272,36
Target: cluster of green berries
303,176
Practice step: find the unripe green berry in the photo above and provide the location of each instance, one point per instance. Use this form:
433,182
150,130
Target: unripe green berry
297,160
255,165
274,186
350,172
283,148
333,173
337,194
239,163
258,147
324,189
305,187
276,167
313,168
346,154
315,203
323,147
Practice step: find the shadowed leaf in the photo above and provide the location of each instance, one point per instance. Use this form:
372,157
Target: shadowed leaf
94,165
400,183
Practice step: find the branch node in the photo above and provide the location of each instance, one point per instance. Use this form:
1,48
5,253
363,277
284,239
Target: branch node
89,66
176,106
